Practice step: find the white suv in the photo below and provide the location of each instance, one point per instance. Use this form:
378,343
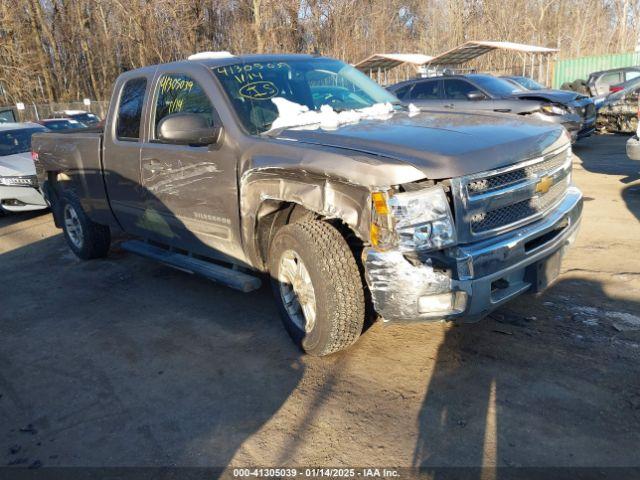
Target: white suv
18,182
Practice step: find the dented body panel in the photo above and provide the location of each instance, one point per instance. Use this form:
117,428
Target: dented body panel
212,199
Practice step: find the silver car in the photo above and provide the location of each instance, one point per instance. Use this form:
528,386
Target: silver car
18,183
481,92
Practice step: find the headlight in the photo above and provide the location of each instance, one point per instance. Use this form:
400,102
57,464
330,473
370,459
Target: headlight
554,110
23,181
419,220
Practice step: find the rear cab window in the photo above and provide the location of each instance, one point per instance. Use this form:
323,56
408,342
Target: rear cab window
179,93
130,110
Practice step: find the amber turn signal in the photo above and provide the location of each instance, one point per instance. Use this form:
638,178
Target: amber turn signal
380,203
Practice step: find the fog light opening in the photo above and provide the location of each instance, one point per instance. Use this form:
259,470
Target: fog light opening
443,303
13,202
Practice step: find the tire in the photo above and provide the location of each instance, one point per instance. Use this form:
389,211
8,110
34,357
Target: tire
336,286
85,238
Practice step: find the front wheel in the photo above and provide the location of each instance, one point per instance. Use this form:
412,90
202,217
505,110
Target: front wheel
85,238
317,285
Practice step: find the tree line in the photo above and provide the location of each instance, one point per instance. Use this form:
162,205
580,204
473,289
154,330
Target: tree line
60,50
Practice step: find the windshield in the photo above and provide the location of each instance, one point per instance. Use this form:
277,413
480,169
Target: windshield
16,141
312,82
86,118
528,83
497,87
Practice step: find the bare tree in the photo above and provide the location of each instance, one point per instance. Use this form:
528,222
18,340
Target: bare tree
59,50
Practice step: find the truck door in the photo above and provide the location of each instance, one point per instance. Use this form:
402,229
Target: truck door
121,153
190,191
456,94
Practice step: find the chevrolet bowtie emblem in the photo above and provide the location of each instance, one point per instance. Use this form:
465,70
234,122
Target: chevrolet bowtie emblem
544,185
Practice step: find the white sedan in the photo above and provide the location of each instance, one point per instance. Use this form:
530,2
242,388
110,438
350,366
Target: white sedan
18,182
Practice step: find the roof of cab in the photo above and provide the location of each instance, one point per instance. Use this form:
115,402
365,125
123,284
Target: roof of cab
227,60
282,57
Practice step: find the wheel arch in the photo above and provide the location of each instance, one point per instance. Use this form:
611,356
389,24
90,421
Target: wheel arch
271,198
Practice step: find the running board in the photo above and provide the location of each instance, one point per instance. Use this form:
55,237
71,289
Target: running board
219,274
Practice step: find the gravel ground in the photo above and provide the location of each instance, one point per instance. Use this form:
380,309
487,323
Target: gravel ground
124,362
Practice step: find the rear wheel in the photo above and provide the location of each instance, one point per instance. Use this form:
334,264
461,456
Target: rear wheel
317,285
85,238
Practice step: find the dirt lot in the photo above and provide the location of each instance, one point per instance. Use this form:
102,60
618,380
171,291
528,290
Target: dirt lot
126,362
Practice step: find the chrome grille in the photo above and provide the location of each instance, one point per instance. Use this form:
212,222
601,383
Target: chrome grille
492,202
487,184
481,222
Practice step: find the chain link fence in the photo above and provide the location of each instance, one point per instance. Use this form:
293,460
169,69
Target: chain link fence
38,111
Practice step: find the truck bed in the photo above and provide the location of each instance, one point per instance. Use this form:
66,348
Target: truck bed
78,156
65,151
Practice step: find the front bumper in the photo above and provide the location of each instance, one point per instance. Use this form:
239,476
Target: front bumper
21,199
572,122
480,276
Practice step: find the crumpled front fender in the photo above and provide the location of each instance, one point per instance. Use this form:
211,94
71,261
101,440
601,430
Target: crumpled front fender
325,195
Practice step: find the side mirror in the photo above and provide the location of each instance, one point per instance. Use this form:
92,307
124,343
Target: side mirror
476,95
188,129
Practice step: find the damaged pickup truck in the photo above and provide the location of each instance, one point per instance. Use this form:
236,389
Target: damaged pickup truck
302,168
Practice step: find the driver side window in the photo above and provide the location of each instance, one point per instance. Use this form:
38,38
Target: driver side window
457,89
180,94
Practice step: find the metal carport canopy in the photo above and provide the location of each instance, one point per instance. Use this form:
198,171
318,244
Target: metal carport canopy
473,49
387,61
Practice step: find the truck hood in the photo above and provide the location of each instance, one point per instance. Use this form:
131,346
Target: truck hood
441,145
17,165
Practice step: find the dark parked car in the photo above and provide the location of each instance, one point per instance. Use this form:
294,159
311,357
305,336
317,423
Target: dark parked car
481,92
572,101
599,82
61,123
88,118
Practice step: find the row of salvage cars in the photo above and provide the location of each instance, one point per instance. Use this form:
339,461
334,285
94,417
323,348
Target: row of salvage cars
502,95
19,190
619,111
615,111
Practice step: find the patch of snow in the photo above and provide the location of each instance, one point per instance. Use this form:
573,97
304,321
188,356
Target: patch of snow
291,114
413,110
592,322
624,321
212,55
586,310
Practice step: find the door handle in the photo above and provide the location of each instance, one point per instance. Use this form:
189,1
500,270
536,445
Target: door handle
502,110
448,105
